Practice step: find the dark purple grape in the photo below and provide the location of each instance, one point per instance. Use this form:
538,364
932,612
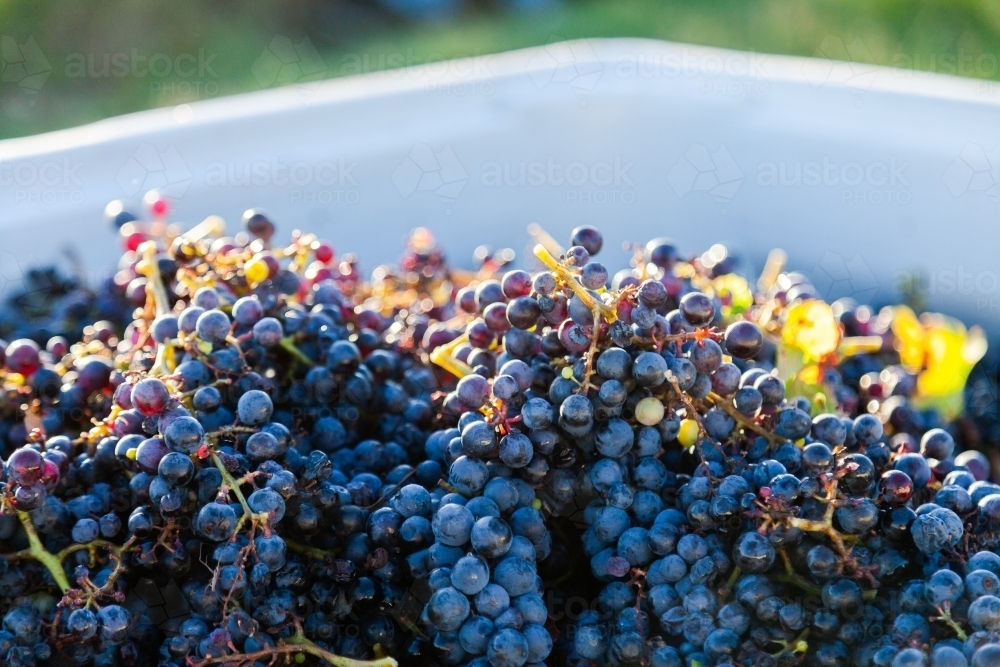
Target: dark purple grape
25,466
516,283
149,453
588,237
743,340
257,223
150,396
22,357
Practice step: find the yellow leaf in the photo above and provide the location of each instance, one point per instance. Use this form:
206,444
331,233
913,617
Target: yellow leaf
949,353
852,345
811,327
811,374
909,335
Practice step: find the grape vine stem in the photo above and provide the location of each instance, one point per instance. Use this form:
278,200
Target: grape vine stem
567,277
233,485
591,353
53,562
692,412
742,420
947,619
792,577
38,551
442,356
296,644
288,345
305,549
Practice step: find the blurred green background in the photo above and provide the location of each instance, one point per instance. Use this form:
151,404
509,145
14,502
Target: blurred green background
68,62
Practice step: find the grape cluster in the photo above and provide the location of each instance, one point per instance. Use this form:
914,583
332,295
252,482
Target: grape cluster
44,304
434,467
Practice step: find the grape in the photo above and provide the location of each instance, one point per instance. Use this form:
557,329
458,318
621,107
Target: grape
591,240
452,525
85,531
25,466
986,655
216,521
22,356
254,408
492,601
743,340
867,429
113,623
150,396
753,553
247,311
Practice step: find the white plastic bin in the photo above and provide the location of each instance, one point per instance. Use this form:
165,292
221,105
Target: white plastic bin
863,174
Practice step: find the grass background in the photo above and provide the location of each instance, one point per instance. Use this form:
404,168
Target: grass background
953,37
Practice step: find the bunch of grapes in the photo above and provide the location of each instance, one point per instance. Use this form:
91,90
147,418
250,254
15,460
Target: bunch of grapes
428,467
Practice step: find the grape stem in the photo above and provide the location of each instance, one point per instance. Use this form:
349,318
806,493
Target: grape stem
443,356
233,485
160,301
213,225
591,354
733,578
742,419
945,616
53,562
91,591
797,645
41,554
296,644
288,345
567,277
218,383
692,413
826,525
792,577
305,549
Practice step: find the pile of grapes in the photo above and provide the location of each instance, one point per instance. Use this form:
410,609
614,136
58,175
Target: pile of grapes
242,452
